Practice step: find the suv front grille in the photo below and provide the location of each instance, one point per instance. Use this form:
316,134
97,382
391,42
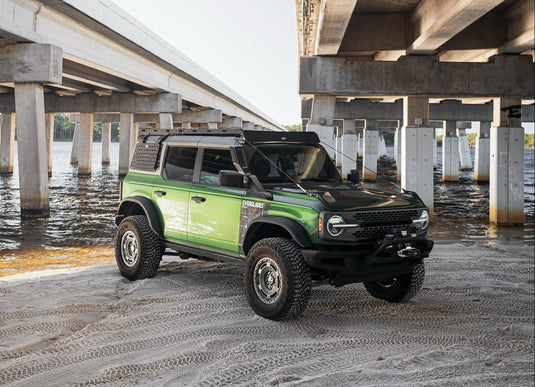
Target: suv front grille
376,224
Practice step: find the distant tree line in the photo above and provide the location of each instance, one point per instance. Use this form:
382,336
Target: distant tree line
64,129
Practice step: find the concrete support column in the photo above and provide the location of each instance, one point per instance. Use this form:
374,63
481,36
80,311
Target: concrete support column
74,150
125,128
397,152
85,144
381,147
166,121
106,142
321,121
360,142
464,150
450,152
417,149
134,130
32,150
349,148
49,127
506,190
7,143
482,153
369,159
435,149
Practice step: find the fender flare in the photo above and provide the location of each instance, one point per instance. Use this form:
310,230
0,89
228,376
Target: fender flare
148,209
293,228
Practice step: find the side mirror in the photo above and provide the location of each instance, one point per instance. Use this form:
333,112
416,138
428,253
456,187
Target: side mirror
228,178
354,176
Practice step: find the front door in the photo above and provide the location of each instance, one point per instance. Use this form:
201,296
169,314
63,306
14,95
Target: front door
214,214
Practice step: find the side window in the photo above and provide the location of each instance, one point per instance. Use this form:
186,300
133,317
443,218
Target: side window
179,163
213,161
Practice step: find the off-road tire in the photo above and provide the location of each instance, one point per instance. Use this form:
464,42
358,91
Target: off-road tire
398,289
292,272
135,232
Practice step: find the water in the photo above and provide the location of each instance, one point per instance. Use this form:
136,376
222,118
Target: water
82,211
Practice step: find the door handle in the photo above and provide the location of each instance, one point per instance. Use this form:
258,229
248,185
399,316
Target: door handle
198,199
160,193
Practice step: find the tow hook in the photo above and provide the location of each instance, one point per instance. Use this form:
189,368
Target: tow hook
408,252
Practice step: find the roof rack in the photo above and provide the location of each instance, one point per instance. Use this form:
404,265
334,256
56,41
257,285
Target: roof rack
191,132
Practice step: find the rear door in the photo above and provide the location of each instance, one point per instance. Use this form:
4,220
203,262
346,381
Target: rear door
214,217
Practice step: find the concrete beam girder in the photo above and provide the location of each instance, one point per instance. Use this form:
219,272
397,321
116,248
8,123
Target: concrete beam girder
30,62
199,117
333,20
435,22
116,103
383,32
445,110
504,75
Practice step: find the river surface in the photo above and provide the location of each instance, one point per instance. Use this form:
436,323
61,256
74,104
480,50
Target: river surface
82,211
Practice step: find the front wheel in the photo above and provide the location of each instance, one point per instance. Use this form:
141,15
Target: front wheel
138,250
398,289
277,279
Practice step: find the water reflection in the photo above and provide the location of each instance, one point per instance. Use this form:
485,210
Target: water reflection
82,210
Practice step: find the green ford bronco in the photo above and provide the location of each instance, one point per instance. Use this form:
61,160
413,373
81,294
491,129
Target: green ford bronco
275,202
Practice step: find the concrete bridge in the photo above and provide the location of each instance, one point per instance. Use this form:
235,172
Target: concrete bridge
382,60
93,59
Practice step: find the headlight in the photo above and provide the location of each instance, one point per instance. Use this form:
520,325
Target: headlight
332,224
423,221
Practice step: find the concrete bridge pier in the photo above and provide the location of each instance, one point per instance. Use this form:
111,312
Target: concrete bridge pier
106,141
338,132
49,125
381,147
417,149
482,154
349,148
85,144
506,190
75,142
369,159
360,143
464,150
126,126
32,150
435,149
397,151
7,143
321,121
450,152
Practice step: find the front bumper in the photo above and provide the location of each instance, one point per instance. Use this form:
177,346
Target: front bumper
387,258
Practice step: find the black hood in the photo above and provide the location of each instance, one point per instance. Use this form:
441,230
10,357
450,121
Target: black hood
354,198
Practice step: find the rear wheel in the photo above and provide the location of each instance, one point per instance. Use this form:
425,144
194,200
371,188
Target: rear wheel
398,289
277,279
138,250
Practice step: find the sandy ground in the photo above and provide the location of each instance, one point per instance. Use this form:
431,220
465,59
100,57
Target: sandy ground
472,324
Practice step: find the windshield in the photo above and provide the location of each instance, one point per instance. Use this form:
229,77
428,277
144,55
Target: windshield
284,163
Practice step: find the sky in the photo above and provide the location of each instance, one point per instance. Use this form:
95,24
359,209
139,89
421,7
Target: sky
251,46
